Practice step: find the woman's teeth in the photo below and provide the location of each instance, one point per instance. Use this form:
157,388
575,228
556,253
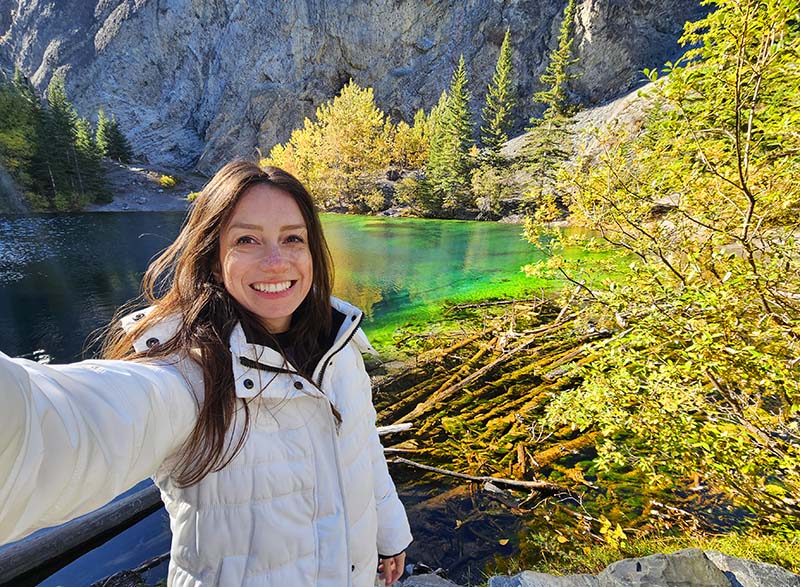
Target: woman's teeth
272,287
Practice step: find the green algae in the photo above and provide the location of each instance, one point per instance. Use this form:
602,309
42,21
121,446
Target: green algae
402,271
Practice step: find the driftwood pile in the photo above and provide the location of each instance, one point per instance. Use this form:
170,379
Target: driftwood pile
475,394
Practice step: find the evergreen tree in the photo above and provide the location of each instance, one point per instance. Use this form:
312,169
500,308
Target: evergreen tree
117,145
49,151
547,146
500,100
89,159
430,195
25,89
549,138
450,159
65,168
19,118
101,136
56,171
557,74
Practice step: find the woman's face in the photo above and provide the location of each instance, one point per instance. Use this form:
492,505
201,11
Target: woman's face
264,258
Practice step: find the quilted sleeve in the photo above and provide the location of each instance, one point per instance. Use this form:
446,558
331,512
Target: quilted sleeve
394,533
72,437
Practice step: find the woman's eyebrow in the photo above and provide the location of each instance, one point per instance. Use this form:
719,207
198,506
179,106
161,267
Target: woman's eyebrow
247,226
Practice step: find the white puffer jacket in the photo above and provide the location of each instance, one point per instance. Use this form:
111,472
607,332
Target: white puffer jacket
302,504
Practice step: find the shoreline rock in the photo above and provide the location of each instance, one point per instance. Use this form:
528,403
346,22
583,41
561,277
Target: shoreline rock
690,567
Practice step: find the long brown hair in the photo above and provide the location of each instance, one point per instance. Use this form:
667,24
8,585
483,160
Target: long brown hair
181,283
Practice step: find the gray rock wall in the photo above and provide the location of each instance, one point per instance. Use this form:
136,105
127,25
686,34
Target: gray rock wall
197,82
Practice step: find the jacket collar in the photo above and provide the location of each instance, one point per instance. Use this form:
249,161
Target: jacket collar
255,365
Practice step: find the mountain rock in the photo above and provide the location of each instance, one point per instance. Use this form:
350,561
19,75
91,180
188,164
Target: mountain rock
197,82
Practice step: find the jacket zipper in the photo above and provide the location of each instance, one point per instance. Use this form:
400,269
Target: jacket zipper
334,350
344,341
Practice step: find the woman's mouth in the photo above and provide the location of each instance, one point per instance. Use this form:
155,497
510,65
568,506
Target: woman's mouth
273,287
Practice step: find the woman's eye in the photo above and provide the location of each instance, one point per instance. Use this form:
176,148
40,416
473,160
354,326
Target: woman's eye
295,238
245,240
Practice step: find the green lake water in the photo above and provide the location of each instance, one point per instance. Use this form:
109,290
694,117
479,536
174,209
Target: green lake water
61,277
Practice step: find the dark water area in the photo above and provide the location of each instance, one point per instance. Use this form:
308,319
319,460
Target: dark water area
63,277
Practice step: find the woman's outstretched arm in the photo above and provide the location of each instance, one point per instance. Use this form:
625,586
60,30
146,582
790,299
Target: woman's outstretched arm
72,437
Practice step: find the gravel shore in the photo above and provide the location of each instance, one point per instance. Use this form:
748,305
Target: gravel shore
136,188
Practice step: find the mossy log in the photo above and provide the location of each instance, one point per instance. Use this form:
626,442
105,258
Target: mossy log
478,404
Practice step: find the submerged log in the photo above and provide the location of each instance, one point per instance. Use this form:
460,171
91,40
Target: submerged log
540,486
21,563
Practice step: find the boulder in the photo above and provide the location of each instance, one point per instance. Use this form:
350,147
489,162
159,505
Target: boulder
531,579
685,568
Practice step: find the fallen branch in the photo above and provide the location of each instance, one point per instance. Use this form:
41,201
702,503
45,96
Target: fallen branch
445,393
540,486
73,539
383,430
535,301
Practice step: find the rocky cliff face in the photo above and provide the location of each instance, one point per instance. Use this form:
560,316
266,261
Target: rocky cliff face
197,82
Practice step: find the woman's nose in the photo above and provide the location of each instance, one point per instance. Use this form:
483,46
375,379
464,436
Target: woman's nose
273,257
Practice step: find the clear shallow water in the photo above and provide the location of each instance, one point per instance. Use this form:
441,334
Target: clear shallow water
62,277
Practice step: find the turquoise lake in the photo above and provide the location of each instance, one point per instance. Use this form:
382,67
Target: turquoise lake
62,277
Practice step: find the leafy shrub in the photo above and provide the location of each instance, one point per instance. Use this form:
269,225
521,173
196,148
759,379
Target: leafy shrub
167,181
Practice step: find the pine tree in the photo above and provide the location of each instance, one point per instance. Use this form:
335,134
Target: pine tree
101,136
55,167
557,74
65,168
84,138
89,159
19,118
549,138
500,100
117,146
450,157
435,166
25,89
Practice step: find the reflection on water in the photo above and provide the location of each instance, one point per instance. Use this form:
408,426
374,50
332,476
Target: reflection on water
62,277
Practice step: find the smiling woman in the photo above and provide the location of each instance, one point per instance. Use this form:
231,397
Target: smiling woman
241,391
265,260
